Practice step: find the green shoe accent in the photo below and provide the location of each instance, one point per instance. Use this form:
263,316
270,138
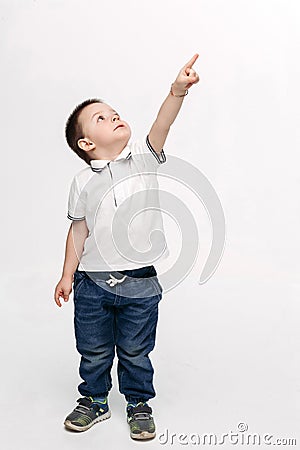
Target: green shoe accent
86,414
140,421
103,400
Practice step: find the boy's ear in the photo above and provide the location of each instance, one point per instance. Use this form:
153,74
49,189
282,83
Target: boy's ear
86,144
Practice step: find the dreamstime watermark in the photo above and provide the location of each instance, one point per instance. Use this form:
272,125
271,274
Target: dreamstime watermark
239,437
154,199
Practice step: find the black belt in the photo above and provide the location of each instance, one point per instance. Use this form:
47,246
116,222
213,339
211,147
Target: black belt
114,277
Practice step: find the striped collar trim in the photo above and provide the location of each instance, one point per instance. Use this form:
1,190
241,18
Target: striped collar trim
97,165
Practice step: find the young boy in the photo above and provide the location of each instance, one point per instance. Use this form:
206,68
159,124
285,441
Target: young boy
116,294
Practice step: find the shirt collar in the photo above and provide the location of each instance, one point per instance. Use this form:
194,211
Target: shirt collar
98,164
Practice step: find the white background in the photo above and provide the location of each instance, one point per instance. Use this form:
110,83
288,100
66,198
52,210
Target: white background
227,351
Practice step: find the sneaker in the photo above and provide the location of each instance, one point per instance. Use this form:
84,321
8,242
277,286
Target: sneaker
140,421
87,413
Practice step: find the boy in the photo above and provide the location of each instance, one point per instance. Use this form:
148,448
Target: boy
116,295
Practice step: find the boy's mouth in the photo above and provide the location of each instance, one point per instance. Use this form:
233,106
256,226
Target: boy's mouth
118,127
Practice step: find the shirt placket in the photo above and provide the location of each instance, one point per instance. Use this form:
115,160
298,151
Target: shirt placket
112,180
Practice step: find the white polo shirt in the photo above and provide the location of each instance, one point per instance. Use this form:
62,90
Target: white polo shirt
119,199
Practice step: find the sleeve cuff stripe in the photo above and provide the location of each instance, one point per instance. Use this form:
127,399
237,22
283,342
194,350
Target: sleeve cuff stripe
74,218
160,158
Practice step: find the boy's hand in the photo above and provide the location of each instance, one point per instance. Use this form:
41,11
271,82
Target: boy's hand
63,289
186,77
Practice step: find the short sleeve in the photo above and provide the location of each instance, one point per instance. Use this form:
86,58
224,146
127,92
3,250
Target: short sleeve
143,150
76,202
160,157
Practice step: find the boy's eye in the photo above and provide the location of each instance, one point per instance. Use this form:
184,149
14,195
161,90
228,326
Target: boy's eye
100,117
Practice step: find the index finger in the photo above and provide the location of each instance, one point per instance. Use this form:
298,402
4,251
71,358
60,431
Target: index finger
191,61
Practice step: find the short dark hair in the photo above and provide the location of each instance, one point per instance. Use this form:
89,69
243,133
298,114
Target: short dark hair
73,129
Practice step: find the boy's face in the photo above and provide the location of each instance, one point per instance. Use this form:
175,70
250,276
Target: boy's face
105,134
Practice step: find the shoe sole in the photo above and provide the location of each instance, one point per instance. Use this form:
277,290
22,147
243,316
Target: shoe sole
143,435
71,426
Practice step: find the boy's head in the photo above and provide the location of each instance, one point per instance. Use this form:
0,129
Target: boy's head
94,130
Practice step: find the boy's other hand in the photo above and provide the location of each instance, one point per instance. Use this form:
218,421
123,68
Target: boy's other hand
186,77
63,289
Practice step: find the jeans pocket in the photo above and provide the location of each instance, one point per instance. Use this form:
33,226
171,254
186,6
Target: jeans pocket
79,278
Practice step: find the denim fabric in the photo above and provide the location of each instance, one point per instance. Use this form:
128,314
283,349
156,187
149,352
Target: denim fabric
122,318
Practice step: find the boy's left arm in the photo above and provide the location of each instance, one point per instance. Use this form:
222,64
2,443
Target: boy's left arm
171,106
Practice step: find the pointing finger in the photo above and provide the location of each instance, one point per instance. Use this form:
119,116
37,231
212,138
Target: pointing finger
191,61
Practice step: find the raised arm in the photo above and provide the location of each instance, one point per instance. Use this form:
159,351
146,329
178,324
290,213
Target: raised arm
172,104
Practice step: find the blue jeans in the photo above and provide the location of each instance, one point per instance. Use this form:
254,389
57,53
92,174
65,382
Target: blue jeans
122,317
